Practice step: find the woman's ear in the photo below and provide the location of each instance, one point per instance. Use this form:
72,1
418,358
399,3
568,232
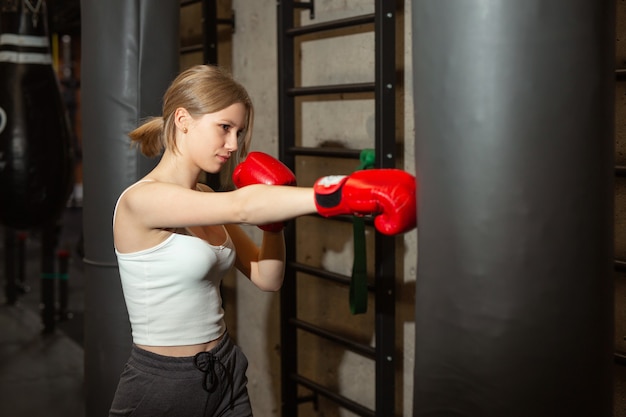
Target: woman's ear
182,118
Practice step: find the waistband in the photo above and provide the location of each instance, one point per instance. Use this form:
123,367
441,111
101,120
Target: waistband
174,366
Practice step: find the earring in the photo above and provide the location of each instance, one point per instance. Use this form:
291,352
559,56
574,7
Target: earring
184,130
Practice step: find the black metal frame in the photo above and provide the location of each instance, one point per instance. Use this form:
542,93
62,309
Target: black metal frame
210,21
620,264
383,88
209,48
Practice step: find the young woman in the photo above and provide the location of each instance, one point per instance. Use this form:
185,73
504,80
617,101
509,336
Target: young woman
175,239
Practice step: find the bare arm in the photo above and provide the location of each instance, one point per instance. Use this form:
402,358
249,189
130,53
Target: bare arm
162,205
264,265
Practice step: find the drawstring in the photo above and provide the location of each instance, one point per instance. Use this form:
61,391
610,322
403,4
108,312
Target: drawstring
205,362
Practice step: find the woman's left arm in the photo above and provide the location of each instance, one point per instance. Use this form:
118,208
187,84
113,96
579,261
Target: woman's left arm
264,265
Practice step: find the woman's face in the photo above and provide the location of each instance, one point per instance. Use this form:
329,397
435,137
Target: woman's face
213,137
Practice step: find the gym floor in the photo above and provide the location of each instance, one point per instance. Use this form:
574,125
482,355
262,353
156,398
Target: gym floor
42,374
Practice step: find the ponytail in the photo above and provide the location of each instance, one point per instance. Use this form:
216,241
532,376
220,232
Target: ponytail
149,137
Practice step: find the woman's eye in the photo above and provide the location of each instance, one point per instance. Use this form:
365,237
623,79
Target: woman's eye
226,127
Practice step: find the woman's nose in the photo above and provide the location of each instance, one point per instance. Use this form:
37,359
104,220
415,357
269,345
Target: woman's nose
232,142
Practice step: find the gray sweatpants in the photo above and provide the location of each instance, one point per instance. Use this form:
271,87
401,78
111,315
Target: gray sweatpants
210,384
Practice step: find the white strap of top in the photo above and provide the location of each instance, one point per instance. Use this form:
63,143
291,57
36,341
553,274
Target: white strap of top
124,192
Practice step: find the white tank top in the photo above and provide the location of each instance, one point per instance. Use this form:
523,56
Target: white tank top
172,290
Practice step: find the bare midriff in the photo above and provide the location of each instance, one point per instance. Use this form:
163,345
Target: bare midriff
182,351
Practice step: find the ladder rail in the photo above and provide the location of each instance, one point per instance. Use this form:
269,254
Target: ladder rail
620,264
383,90
360,348
347,22
343,401
286,131
385,246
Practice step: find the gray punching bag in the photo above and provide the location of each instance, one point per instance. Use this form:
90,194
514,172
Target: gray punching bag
514,105
36,163
129,57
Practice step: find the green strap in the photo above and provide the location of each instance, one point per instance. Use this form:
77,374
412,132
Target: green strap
60,276
358,283
367,158
48,275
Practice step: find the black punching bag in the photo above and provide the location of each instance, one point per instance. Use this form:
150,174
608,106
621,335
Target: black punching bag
130,54
35,140
514,142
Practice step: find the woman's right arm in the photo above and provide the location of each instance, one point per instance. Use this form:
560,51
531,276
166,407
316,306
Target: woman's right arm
162,205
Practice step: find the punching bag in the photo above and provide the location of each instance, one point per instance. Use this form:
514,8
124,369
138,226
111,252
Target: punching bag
514,148
130,54
36,165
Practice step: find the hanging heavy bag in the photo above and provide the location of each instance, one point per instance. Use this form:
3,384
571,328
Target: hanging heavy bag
36,164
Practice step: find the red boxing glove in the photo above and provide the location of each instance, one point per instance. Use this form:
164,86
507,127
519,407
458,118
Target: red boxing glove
388,194
261,168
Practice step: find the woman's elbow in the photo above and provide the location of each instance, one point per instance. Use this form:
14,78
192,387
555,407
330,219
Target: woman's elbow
269,286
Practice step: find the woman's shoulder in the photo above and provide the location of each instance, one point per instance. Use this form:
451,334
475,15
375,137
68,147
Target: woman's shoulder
131,189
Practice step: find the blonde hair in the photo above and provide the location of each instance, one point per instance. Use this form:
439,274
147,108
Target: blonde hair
201,89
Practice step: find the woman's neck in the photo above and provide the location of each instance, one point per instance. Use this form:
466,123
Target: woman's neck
173,169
